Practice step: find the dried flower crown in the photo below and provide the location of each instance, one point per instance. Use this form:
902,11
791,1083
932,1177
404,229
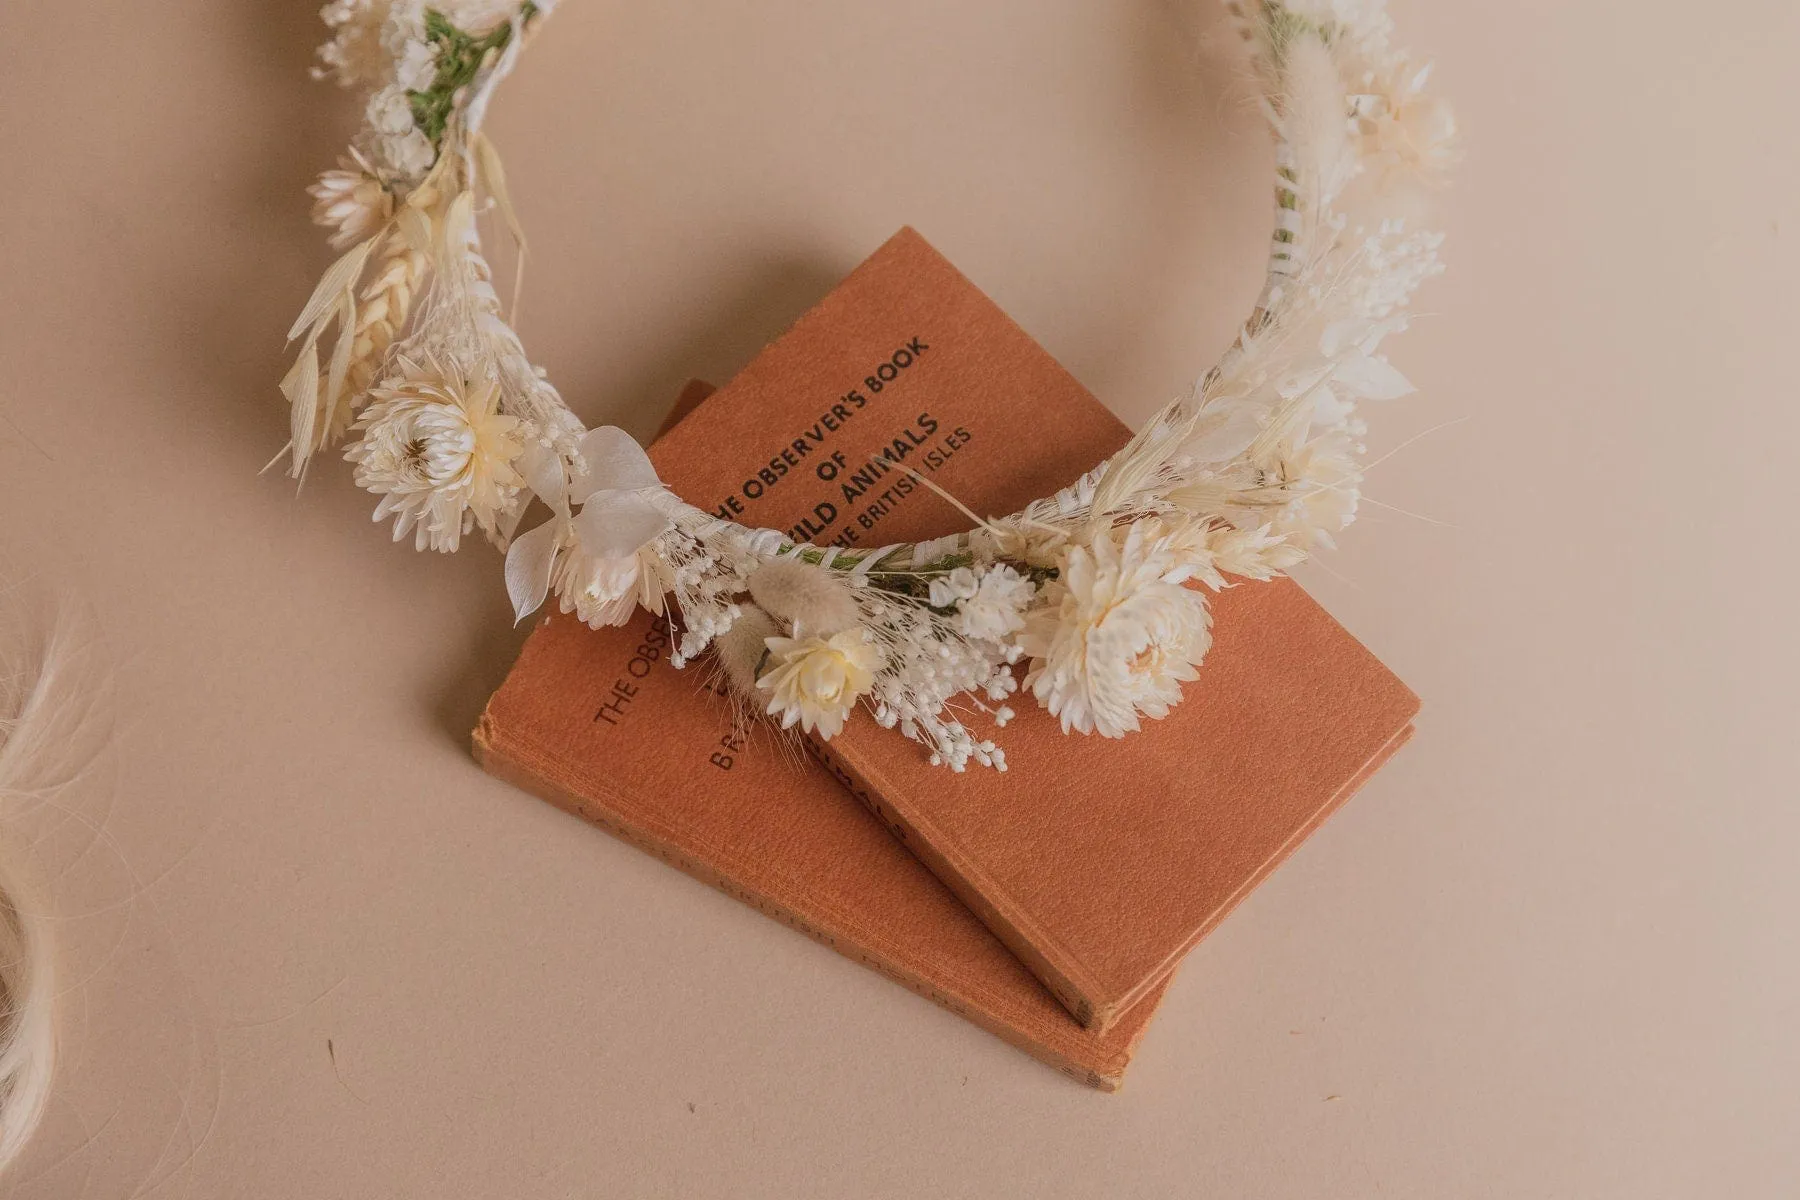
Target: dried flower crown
1089,594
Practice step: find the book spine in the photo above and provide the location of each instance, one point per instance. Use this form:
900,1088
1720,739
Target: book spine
493,757
1080,1006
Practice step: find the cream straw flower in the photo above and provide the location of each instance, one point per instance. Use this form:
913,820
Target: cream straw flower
814,682
1118,636
350,201
1404,128
440,455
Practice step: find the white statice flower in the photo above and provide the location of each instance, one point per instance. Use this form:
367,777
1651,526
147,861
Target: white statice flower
990,605
1404,129
607,591
395,148
946,591
389,111
403,26
374,42
814,682
416,67
439,453
381,45
350,201
1118,636
408,157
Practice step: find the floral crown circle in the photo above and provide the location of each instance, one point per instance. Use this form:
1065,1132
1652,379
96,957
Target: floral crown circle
1095,596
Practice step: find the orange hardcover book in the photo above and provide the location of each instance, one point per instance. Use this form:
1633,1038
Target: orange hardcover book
599,724
1099,862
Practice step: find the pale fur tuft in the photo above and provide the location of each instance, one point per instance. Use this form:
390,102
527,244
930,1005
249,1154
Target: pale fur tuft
741,649
810,600
1316,125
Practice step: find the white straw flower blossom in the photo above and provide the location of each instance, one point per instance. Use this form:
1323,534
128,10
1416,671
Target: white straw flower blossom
814,682
439,453
1118,636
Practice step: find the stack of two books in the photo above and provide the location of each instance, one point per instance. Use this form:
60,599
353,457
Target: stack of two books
1049,904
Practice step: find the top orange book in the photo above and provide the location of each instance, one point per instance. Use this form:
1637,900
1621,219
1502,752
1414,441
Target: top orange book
1099,863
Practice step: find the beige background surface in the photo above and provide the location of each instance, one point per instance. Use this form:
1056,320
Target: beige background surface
313,952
